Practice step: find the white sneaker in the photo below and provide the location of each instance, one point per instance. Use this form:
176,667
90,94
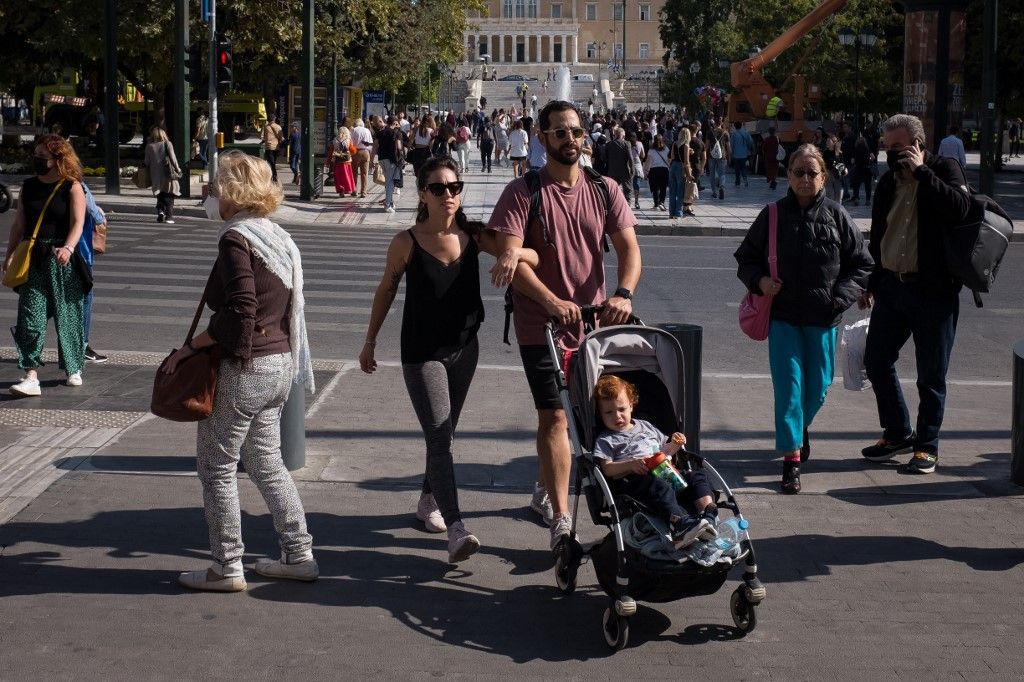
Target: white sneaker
430,515
74,379
389,209
541,503
208,581
398,192
560,528
26,387
461,543
306,571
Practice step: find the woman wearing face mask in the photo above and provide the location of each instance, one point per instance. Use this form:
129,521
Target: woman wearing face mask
823,267
443,311
52,205
258,330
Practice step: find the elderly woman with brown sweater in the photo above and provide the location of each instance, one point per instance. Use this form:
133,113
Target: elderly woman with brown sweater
258,330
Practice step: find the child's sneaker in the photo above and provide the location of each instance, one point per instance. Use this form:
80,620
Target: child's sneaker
710,514
689,530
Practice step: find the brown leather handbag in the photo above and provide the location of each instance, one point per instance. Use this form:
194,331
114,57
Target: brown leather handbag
99,238
186,395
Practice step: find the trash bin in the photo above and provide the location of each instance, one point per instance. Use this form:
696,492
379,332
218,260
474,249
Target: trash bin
293,428
1017,432
691,338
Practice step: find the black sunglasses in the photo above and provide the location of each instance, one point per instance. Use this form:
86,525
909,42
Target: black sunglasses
438,188
801,172
561,133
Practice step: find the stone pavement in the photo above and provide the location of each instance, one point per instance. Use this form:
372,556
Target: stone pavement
870,575
731,217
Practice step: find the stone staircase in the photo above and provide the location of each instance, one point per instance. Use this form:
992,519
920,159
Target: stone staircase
502,94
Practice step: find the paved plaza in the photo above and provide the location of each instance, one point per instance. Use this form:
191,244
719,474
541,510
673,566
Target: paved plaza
871,575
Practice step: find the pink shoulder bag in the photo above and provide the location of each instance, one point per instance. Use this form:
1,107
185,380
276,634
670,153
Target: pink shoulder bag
755,310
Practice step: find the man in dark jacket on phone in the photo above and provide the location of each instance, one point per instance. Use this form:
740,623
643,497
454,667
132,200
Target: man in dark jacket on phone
916,202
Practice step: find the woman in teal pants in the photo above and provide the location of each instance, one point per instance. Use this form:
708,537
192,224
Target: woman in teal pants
823,267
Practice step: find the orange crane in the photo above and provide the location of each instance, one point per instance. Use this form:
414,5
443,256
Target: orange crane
750,101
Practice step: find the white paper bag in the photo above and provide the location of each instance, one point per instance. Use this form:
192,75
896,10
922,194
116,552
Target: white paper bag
851,352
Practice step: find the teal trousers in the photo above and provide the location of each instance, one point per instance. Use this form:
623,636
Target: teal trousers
802,361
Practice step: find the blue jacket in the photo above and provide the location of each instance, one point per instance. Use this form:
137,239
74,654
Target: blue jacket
93,216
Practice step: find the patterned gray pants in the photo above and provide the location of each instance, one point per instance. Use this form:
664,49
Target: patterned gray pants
246,423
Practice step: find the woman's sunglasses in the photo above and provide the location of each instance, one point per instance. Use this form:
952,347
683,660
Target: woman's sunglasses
799,173
438,188
561,133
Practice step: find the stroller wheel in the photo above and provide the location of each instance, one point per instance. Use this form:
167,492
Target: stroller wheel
744,614
616,629
565,570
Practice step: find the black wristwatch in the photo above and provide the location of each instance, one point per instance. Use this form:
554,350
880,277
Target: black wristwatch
623,292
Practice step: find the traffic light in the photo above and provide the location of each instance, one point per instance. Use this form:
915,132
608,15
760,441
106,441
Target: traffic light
224,62
194,67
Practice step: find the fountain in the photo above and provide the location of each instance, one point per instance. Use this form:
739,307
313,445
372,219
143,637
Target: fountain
563,84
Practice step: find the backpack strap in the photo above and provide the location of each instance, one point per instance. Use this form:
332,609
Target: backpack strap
602,190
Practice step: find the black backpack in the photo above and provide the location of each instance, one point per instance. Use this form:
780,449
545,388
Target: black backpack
600,159
439,148
975,247
532,179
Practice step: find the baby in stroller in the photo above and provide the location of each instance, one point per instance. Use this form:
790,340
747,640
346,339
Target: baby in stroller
622,448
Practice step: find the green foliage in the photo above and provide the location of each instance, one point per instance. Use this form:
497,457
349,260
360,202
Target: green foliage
1009,58
693,33
384,42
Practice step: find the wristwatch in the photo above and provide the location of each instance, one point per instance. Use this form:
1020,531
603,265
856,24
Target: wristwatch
623,292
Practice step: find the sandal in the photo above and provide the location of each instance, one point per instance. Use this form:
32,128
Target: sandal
790,478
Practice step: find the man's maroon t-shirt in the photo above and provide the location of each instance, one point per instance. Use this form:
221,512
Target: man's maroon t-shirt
572,266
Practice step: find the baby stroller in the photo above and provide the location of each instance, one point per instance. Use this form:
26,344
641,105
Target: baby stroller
652,360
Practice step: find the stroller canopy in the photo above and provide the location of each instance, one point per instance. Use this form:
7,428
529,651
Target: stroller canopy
626,350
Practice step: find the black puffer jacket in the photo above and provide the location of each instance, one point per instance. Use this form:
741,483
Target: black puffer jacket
823,261
943,201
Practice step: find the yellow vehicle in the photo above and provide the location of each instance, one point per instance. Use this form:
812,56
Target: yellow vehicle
241,115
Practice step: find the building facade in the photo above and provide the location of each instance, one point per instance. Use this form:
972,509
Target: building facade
584,34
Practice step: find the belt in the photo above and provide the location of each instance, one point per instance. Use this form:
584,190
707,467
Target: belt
906,276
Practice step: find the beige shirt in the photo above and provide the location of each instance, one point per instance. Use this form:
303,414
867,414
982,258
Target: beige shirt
899,244
272,136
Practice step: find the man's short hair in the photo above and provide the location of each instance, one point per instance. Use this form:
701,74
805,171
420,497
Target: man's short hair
553,107
736,125
912,124
391,120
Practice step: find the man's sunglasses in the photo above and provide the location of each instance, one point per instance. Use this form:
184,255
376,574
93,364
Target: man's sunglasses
438,188
799,173
561,133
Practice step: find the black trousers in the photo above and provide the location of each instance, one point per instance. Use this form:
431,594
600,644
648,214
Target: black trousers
165,205
271,156
659,495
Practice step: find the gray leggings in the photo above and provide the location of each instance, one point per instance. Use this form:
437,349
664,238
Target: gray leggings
438,390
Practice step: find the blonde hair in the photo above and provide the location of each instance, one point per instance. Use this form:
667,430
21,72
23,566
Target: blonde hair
157,134
246,181
685,136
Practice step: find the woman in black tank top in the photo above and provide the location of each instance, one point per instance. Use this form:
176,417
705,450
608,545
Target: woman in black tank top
443,311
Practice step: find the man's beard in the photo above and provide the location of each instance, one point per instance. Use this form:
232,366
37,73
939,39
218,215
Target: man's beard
566,156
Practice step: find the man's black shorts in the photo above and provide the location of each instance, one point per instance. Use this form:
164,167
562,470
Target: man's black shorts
540,374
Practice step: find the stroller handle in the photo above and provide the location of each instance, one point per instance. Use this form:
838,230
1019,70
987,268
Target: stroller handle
589,313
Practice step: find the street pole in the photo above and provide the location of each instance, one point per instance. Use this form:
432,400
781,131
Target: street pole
211,93
180,124
990,39
112,134
625,50
856,94
307,83
334,77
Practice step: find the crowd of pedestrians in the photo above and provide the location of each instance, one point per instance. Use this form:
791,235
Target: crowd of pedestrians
547,233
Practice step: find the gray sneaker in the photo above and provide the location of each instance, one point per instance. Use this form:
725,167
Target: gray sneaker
461,543
560,528
541,503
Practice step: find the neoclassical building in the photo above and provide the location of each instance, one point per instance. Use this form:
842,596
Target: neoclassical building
584,33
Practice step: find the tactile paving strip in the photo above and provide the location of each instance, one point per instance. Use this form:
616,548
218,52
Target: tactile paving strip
69,418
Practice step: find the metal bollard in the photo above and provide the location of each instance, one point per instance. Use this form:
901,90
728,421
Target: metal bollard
691,338
293,428
1017,432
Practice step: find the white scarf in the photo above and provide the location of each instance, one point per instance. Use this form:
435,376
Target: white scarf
272,245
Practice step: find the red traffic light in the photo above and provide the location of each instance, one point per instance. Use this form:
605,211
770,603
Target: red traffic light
224,58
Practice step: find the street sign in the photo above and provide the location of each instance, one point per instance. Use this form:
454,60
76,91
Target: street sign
204,11
373,102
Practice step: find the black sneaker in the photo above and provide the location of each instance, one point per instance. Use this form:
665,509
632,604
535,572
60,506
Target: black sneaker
883,450
710,514
790,478
721,193
92,356
920,463
805,449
